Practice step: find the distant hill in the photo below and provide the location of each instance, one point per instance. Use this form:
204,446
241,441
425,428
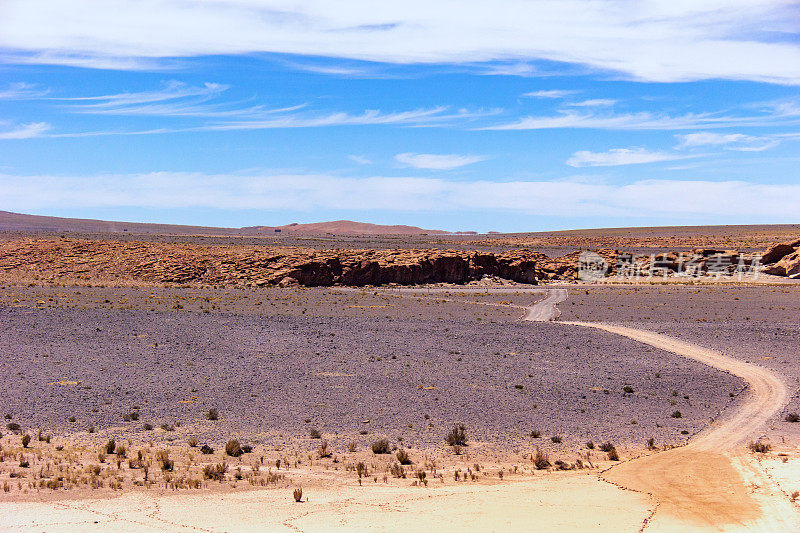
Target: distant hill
32,223
347,227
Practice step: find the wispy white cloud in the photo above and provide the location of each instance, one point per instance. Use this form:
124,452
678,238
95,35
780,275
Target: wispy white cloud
26,131
437,161
305,192
619,156
360,159
646,120
655,41
90,60
595,102
21,91
730,141
550,93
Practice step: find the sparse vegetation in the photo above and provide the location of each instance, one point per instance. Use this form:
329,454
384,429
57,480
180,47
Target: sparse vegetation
192,442
26,439
233,448
212,414
323,450
536,434
298,495
215,472
590,445
381,446
540,460
627,389
403,457
760,446
676,414
315,434
792,417
457,436
555,439
206,449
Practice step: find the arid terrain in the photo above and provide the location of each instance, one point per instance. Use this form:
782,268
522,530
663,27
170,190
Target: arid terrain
474,396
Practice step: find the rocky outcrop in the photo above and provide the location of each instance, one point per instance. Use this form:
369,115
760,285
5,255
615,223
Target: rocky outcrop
783,259
114,261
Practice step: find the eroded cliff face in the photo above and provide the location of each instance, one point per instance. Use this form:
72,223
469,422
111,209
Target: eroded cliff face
73,259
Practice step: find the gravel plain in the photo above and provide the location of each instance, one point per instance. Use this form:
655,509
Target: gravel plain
355,366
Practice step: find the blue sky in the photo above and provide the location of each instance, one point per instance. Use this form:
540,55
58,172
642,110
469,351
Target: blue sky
526,116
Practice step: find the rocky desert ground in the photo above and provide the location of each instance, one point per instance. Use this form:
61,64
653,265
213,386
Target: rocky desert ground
168,383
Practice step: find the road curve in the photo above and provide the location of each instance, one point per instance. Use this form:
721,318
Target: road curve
546,310
697,483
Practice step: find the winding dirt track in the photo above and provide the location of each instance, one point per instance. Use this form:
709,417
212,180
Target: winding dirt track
697,483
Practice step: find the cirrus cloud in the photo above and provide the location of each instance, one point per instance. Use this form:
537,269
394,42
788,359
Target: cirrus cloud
619,156
438,161
651,40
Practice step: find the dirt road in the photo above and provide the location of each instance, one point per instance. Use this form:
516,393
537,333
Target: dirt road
698,483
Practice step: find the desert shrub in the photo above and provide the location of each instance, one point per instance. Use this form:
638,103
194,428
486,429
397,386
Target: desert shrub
403,458
134,415
167,427
362,470
246,448
397,471
792,417
192,442
627,389
613,455
590,445
13,426
121,451
72,419
215,472
651,443
147,427
457,436
541,460
233,448
206,449
298,494
536,434
26,439
760,446
162,457
676,414
351,447
315,434
212,414
323,449
457,449
111,446
606,447
795,495
555,439
381,446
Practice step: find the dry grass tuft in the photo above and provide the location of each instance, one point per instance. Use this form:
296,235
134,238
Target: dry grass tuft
457,436
233,448
381,446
